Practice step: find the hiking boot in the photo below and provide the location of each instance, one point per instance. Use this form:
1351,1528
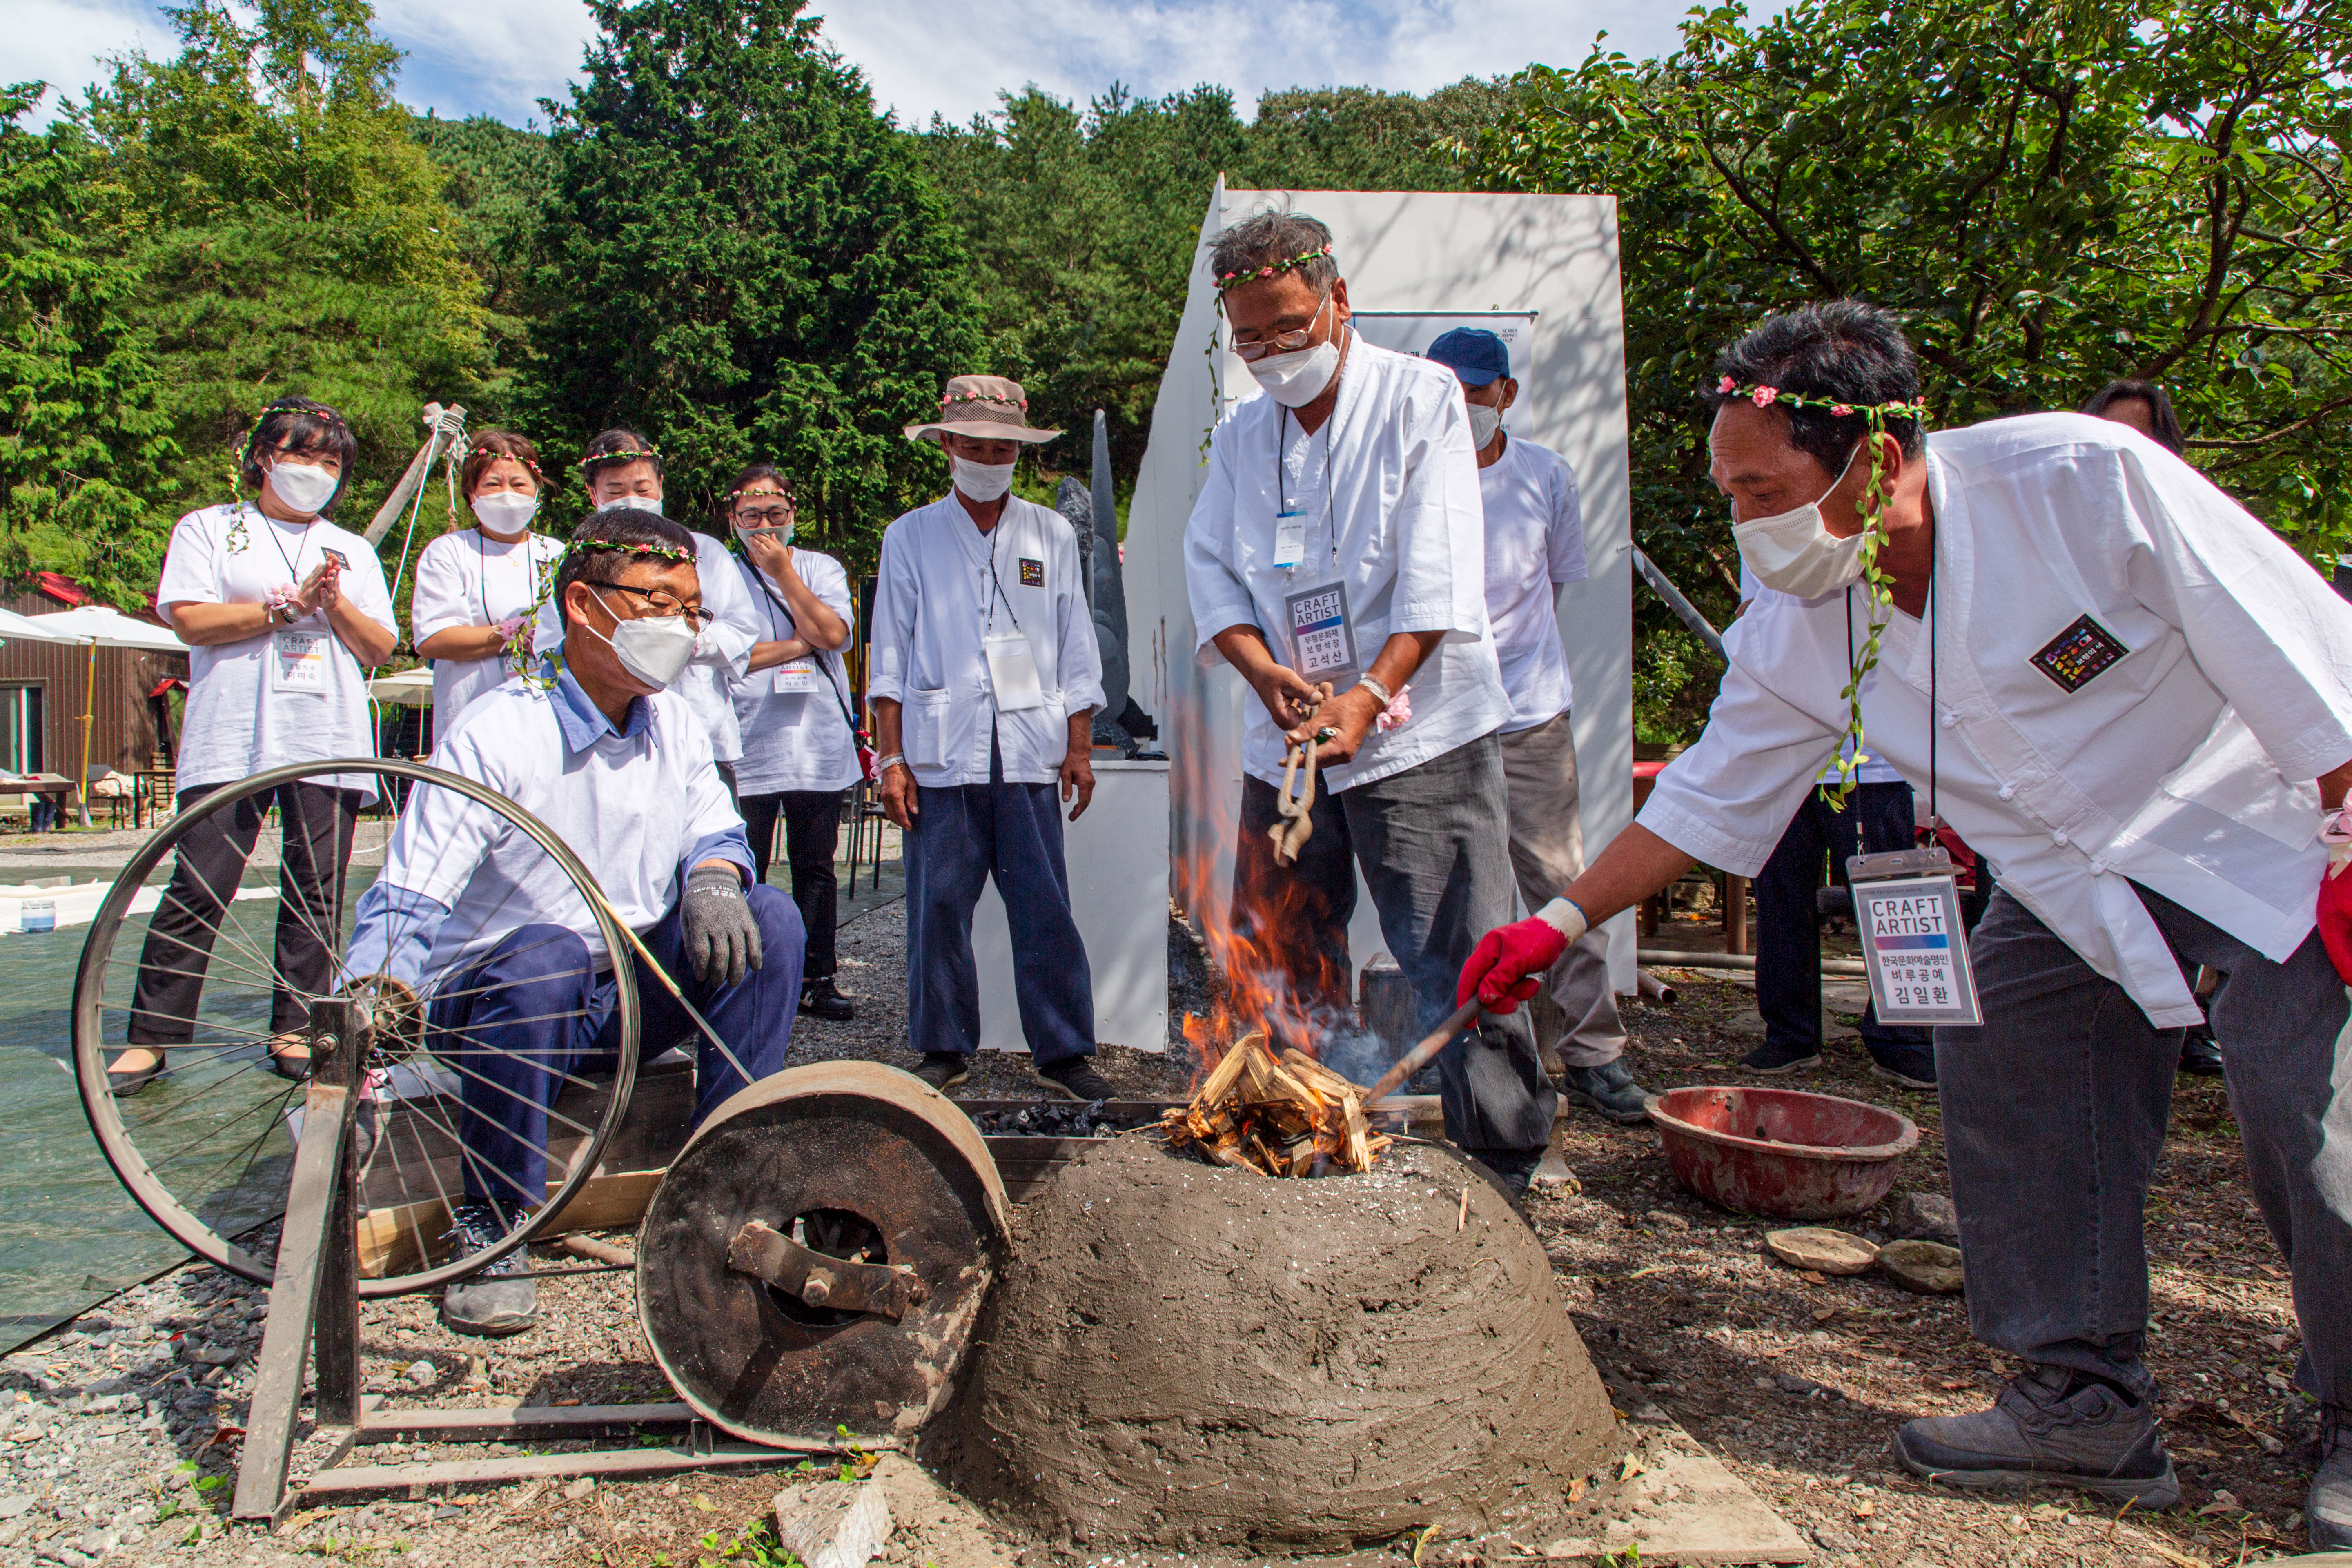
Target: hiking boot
1608,1089
819,999
1775,1058
2200,1057
2329,1506
1077,1078
944,1070
2050,1427
1913,1067
502,1298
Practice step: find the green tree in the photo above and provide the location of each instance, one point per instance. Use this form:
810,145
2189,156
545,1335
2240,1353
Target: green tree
745,260
2053,196
81,441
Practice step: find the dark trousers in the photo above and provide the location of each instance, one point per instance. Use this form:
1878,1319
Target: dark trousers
812,832
517,1027
2054,1114
1434,846
1788,922
317,823
964,835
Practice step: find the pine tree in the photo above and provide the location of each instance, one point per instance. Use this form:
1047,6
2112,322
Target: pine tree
745,260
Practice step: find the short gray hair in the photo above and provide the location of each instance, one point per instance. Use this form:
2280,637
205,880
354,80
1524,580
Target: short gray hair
1275,239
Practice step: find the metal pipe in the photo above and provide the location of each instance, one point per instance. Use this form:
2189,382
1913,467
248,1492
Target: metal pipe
1661,585
1676,958
1654,989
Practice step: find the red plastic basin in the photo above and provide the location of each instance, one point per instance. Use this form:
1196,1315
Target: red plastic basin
1780,1151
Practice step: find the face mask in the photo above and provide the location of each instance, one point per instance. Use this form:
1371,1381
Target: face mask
654,649
982,482
1297,379
1484,423
783,536
642,503
1795,554
304,486
506,512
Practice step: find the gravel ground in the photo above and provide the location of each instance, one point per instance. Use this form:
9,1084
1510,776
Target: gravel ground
118,1436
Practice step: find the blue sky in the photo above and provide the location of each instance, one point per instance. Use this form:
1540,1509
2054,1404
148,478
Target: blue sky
497,56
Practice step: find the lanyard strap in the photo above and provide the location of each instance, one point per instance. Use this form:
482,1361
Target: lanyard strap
294,566
997,583
1935,712
1281,481
831,685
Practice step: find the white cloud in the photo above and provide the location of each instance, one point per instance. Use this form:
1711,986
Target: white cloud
64,42
493,57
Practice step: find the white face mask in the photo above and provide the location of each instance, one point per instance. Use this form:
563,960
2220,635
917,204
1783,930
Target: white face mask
1484,423
1299,378
982,482
303,486
505,512
1793,553
654,649
642,503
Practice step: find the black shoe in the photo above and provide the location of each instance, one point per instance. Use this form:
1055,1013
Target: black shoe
1913,1067
819,999
2048,1427
944,1070
2200,1057
502,1298
2328,1508
1077,1078
1610,1090
1768,1058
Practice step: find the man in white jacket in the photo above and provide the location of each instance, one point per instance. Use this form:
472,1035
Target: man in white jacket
986,679
2136,701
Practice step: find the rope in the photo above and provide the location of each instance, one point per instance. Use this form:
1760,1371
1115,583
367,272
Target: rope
1294,813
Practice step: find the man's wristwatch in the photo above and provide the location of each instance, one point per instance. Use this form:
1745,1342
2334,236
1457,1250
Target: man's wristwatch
1377,689
894,760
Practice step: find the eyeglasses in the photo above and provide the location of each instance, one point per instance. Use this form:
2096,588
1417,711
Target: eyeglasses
757,518
1255,350
661,604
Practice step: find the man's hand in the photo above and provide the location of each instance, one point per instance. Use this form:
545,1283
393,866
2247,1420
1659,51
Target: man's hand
1349,716
1287,694
899,795
1508,965
722,938
1078,779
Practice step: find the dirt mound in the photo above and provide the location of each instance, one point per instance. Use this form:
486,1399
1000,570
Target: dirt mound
1185,1354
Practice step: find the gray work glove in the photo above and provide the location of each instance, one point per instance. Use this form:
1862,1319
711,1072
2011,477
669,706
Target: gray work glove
723,940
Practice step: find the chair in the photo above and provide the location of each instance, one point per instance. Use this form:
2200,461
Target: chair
116,799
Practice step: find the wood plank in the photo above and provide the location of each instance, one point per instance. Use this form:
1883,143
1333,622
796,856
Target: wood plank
388,1238
388,1426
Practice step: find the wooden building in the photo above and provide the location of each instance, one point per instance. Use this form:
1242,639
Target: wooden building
41,696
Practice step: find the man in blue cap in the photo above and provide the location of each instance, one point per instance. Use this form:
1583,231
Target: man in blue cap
1535,546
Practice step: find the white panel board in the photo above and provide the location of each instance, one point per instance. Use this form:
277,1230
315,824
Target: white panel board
1118,856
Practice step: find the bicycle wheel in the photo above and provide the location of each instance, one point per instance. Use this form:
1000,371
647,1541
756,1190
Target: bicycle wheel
223,955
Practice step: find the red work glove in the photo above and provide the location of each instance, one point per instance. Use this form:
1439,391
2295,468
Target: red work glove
1508,963
2336,896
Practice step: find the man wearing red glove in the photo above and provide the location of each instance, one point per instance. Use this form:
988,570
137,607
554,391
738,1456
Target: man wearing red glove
2133,698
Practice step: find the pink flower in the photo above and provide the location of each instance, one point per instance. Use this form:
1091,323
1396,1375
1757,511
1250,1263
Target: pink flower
1398,712
1763,396
1841,409
1726,385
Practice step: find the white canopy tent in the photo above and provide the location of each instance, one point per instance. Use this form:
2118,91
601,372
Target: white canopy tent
27,629
99,626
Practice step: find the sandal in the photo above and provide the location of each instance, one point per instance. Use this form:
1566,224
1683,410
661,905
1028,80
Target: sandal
132,1082
284,1063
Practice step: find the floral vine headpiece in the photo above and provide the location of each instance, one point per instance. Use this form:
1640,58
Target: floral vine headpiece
1877,586
955,398
321,412
631,455
1272,269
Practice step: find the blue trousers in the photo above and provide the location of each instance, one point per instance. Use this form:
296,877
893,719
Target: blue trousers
1788,924
517,1025
963,835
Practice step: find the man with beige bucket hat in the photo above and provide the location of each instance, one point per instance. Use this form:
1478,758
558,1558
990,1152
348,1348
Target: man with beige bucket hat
986,679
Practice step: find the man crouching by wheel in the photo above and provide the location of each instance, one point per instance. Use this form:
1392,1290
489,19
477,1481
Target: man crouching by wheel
518,986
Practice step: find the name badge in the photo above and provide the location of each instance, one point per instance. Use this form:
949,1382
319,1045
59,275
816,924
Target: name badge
1322,642
1289,538
796,674
1915,943
1013,671
301,661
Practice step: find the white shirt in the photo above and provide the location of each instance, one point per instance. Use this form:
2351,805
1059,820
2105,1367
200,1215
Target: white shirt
939,595
2185,765
469,579
1535,542
289,694
1875,768
1401,528
636,806
795,740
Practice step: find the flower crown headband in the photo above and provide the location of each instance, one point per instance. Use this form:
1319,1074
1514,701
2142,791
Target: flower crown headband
1251,275
1001,402
320,412
595,459
531,463
1878,589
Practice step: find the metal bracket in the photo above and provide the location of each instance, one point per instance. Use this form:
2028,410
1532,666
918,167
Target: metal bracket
821,1280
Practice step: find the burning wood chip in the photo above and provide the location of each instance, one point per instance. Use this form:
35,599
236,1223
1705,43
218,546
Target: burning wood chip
1287,1117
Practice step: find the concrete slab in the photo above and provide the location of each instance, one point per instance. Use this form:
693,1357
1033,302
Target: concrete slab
1684,1507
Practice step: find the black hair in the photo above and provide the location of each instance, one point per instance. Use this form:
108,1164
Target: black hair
617,537
2167,423
303,428
1271,240
617,448
1847,351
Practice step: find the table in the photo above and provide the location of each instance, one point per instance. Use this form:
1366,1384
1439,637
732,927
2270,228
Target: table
1734,889
54,785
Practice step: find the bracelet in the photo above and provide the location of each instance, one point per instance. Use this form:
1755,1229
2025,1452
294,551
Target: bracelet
1377,689
894,760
